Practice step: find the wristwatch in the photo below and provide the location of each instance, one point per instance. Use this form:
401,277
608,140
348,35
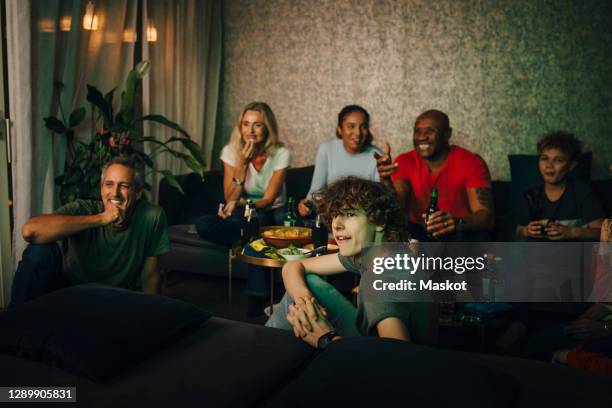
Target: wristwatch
237,181
607,326
325,339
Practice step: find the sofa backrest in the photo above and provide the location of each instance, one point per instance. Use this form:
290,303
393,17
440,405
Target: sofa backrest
202,196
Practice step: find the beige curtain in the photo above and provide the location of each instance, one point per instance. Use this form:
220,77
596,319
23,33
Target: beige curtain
183,83
57,48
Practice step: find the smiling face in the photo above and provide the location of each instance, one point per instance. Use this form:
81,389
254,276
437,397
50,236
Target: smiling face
554,165
430,137
253,128
354,132
118,189
353,231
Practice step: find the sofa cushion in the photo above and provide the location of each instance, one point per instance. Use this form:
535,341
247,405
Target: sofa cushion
94,330
374,372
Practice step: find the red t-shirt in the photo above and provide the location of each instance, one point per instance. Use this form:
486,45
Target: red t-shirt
462,171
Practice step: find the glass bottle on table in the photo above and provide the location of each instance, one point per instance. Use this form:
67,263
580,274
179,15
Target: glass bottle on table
291,217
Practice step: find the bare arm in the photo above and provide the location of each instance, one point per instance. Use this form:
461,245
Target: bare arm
294,271
403,190
150,277
47,228
482,217
393,328
231,191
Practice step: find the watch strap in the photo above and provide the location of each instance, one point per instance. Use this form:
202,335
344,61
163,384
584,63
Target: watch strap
325,339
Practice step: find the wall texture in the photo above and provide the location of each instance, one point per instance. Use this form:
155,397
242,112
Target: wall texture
505,71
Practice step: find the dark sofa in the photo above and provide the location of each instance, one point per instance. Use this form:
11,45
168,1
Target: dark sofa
192,254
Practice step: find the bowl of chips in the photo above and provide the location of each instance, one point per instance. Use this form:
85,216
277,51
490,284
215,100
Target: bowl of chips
282,237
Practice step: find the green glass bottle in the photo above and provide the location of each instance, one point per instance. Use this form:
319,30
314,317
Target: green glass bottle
291,217
433,207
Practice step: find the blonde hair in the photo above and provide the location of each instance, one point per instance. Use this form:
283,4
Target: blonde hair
271,143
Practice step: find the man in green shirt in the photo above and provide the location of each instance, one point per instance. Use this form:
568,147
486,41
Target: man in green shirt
114,241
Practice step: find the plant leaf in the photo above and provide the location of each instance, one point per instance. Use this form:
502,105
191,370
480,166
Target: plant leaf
55,125
109,100
194,165
162,120
195,150
95,97
172,180
76,117
145,158
127,97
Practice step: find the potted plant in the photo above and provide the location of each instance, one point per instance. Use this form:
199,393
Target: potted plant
115,133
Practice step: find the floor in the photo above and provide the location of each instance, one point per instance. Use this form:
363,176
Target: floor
211,293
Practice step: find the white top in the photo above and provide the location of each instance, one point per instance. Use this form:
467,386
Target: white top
334,162
257,182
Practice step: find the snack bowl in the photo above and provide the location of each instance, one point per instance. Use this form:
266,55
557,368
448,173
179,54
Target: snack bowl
282,237
294,256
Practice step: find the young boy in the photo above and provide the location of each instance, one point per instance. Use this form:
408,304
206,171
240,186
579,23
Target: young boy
361,213
562,208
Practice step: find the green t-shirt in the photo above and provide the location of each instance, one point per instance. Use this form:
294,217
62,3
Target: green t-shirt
109,256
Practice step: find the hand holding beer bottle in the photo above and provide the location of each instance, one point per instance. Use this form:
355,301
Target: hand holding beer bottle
438,222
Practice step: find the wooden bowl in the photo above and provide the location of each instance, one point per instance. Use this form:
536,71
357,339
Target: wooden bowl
282,237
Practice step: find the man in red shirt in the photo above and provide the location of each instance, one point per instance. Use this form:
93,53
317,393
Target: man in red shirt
461,177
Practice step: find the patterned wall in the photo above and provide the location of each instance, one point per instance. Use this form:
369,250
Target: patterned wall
505,71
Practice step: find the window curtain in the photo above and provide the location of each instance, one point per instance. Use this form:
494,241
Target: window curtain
57,49
183,84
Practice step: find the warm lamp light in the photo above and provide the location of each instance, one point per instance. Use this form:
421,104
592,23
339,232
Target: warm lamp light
129,36
90,20
151,32
46,25
65,23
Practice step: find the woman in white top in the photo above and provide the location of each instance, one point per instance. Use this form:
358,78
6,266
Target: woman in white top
254,167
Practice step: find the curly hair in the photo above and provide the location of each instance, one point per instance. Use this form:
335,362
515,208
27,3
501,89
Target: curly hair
378,201
566,142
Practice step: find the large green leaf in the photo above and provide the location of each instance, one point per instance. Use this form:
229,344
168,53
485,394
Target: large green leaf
162,120
172,180
127,97
76,117
95,97
194,149
55,125
194,165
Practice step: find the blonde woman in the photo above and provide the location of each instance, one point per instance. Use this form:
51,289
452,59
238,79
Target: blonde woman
254,167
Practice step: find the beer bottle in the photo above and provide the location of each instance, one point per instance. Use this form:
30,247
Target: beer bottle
291,218
433,207
319,233
250,223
